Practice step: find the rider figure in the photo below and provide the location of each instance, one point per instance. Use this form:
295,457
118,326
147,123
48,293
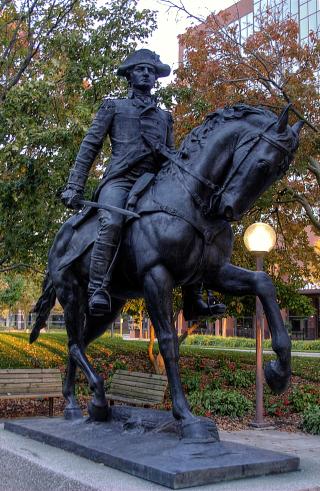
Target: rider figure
138,130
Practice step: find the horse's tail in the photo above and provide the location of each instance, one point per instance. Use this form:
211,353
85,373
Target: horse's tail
43,307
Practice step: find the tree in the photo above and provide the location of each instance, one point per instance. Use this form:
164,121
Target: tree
269,68
18,292
58,61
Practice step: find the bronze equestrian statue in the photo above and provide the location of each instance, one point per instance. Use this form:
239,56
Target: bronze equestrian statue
182,238
141,136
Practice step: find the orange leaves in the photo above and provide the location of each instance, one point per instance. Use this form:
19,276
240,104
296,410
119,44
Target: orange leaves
86,84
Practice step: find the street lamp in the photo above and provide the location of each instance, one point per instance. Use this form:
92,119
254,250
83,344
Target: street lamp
259,238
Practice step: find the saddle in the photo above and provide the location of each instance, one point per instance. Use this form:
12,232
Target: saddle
142,202
79,241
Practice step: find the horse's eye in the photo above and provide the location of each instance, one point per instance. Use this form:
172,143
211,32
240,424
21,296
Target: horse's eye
264,166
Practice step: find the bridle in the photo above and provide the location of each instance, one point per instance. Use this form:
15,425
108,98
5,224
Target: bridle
216,189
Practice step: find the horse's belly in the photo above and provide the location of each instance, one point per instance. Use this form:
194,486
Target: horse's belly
160,238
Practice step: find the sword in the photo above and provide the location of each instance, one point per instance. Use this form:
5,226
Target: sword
83,202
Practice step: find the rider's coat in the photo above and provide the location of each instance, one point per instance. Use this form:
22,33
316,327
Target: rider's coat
137,129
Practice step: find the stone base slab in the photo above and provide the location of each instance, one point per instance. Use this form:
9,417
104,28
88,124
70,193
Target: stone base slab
156,456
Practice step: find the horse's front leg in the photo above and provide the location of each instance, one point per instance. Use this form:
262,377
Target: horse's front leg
158,286
238,281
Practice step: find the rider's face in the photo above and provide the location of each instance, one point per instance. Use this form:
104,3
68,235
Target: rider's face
143,77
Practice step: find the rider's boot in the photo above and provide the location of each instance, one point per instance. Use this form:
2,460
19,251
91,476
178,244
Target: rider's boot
102,261
194,306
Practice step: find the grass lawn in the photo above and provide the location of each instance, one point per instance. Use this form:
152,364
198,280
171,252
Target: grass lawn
218,384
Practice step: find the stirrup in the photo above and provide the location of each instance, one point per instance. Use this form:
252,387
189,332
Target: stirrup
99,302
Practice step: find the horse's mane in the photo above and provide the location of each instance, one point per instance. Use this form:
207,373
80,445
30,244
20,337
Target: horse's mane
260,117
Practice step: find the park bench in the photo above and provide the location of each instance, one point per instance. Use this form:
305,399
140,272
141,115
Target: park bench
33,383
141,389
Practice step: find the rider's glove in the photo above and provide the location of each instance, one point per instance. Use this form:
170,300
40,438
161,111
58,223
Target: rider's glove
70,197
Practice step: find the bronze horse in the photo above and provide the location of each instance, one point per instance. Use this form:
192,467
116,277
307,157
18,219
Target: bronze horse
182,237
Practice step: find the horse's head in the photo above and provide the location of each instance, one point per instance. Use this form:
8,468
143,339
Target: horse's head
264,150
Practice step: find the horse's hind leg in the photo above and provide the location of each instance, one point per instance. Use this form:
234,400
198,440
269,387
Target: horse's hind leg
158,287
73,299
72,409
94,327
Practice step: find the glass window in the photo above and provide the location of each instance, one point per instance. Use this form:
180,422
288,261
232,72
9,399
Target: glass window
304,28
285,8
313,23
303,10
312,6
294,7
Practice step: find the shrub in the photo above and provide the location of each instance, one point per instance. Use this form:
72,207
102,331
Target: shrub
191,381
238,378
278,408
304,395
119,365
311,420
220,402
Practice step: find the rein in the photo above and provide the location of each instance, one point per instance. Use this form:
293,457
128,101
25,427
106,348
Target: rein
218,190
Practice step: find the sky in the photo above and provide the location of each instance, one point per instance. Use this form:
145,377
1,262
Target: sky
164,40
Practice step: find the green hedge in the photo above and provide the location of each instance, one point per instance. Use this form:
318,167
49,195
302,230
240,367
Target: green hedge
237,342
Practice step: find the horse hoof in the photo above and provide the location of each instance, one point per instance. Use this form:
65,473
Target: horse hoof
98,413
277,379
72,413
199,431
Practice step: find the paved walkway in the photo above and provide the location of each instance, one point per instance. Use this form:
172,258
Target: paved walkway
27,465
306,354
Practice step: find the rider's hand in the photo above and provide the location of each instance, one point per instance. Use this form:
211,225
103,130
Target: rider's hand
70,196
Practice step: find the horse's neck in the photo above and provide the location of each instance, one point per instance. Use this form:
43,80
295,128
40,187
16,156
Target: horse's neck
211,162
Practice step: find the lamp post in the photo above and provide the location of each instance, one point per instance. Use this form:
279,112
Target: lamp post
259,238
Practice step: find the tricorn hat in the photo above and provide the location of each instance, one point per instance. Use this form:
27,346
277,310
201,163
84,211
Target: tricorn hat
144,56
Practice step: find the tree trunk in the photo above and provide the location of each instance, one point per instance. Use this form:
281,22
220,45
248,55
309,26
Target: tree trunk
157,362
224,327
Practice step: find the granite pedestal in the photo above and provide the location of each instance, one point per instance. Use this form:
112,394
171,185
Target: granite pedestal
154,452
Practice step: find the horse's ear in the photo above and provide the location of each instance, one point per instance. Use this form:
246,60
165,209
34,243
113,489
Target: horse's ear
296,128
283,119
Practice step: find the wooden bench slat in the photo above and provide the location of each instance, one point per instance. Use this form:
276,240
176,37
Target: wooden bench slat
143,382
30,384
141,374
137,394
30,390
15,379
135,388
30,395
130,400
142,386
29,370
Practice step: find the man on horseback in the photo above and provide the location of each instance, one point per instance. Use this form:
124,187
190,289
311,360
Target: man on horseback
141,137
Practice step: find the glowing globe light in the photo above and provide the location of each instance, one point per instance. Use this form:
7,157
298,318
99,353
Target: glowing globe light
259,237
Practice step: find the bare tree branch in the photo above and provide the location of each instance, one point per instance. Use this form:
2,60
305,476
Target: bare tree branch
300,198
20,266
314,167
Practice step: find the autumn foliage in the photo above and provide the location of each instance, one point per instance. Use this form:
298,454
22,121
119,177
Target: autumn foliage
270,68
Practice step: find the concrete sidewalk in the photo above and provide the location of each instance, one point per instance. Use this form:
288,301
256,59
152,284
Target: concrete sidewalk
302,354
28,465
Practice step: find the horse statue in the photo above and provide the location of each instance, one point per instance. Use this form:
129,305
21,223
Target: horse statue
183,237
